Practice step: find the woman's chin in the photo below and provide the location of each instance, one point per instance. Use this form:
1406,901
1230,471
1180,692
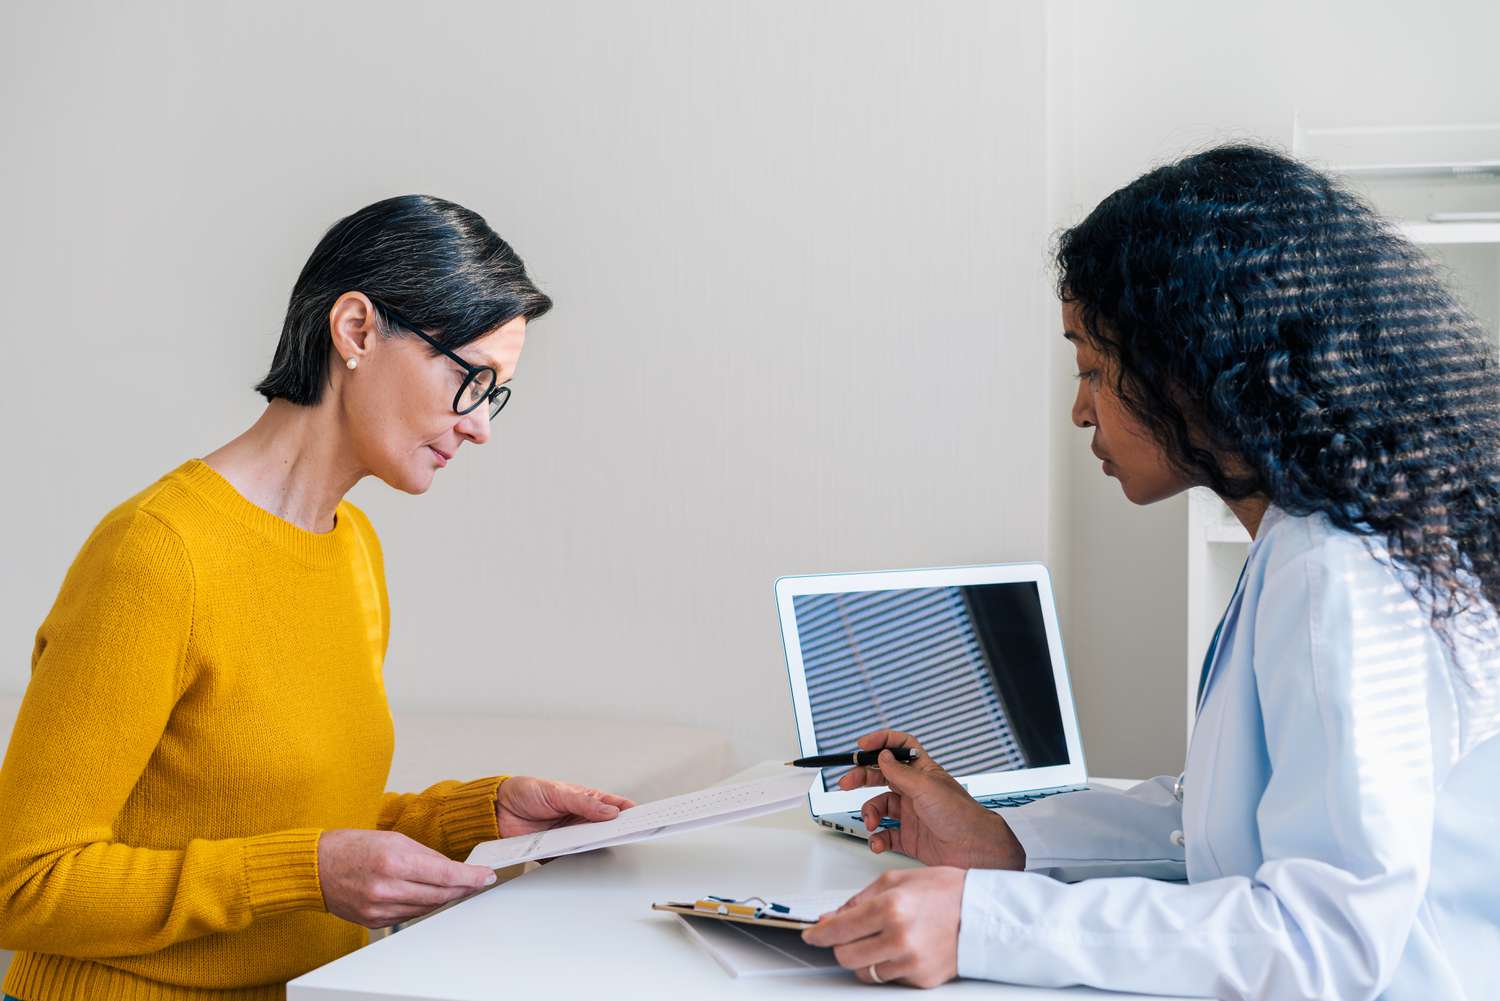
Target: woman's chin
408,480
420,482
1131,490
1145,494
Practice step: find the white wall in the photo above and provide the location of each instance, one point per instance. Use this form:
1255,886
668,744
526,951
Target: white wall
798,251
797,260
1137,84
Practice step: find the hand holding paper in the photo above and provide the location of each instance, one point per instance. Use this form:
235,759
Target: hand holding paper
526,805
690,811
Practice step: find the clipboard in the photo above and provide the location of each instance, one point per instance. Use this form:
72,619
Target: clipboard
733,910
754,937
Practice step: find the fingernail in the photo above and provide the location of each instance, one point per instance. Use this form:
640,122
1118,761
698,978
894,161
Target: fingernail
490,879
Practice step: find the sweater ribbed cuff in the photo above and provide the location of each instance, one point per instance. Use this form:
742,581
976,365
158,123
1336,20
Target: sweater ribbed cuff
40,977
281,872
468,815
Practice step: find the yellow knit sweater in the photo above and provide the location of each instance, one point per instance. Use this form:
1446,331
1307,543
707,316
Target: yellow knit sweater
205,698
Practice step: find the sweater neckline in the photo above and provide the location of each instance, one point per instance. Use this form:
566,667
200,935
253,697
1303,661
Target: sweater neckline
322,549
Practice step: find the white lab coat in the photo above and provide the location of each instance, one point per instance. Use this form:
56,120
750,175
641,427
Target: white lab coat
1339,820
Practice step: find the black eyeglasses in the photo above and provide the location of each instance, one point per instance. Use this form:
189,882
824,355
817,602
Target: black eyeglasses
479,380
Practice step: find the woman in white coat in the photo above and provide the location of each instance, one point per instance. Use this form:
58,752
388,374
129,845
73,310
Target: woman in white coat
1243,323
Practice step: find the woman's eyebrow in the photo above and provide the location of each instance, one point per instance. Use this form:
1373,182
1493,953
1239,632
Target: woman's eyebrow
1069,335
478,360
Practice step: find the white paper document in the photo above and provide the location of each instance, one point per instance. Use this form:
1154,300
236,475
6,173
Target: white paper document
690,811
811,906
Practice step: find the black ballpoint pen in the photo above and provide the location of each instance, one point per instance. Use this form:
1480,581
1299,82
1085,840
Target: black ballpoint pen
905,755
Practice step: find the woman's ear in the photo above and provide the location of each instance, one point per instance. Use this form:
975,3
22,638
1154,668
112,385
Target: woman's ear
351,323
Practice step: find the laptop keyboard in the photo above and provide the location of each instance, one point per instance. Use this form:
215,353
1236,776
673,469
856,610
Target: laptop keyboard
1022,798
1003,800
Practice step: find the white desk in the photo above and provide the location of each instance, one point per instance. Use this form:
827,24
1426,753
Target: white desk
582,926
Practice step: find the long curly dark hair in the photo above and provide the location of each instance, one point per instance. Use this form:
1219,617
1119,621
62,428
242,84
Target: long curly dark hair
1279,338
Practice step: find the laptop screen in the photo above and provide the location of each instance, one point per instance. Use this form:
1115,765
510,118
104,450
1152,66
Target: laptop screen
964,669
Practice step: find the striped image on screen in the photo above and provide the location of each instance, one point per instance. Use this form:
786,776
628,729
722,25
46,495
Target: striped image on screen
909,660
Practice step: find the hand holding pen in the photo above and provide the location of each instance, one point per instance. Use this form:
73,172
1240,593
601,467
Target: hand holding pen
858,759
936,820
866,771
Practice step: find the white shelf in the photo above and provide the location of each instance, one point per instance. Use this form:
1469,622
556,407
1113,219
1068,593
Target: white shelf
1434,151
1217,544
1434,169
1452,232
1230,534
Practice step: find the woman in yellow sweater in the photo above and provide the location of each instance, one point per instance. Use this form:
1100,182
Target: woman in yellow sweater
192,805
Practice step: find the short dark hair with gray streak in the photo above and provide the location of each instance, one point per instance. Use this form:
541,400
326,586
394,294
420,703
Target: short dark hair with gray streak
435,263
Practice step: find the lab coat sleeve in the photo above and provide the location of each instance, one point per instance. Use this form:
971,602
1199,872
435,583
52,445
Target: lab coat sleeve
1341,658
1102,832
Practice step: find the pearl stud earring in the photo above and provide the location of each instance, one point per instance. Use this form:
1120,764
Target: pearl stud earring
353,364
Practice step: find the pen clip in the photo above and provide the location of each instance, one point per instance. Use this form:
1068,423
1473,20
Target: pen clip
729,905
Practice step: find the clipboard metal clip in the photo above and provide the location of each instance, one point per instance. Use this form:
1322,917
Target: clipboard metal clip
749,907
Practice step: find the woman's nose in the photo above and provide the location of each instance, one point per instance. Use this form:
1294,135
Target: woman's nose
475,425
1083,410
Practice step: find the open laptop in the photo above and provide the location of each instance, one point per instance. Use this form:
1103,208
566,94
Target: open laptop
966,659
